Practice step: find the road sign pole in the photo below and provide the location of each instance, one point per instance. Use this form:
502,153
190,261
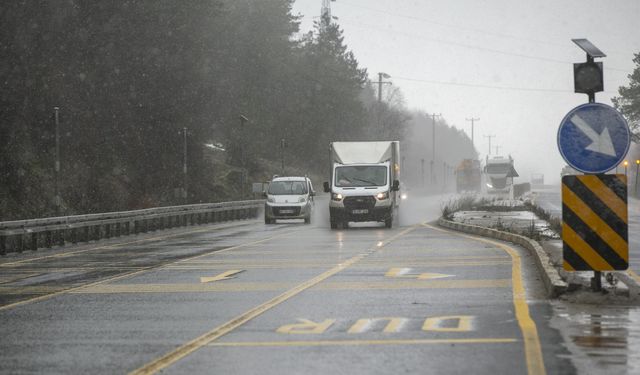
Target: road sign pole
596,281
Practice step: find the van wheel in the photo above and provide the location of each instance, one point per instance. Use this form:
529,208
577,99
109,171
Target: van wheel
307,220
268,220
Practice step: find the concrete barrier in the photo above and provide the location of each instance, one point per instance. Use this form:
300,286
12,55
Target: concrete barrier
550,276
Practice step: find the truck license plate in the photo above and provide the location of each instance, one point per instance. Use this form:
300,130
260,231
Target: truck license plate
363,211
286,211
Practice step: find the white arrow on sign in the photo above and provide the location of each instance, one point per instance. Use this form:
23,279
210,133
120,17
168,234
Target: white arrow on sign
600,143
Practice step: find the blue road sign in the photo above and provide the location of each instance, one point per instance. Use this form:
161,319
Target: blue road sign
593,138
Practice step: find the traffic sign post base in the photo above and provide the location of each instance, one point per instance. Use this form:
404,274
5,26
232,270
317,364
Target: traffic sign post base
596,281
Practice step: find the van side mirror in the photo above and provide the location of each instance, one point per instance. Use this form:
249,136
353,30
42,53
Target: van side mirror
326,186
264,194
396,185
312,193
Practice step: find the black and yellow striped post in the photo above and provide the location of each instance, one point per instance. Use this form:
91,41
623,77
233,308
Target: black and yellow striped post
594,223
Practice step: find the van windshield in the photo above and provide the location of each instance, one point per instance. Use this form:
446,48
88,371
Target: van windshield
287,188
363,175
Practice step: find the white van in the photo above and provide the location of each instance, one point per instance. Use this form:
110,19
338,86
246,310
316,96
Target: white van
289,198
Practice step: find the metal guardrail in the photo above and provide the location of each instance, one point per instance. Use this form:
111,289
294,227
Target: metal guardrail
32,234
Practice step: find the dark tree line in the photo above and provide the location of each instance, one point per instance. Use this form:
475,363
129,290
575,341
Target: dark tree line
629,100
129,75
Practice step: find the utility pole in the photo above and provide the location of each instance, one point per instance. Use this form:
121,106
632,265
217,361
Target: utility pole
282,146
380,82
325,13
489,136
637,170
472,140
422,160
185,195
444,174
243,120
57,160
433,143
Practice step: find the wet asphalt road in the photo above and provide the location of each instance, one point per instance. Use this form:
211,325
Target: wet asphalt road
245,298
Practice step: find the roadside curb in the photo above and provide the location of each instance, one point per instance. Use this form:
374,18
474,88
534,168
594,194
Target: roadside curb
550,276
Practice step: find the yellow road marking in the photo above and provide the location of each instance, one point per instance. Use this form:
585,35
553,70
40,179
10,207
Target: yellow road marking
365,342
190,347
279,286
533,352
361,265
633,274
134,273
464,323
223,276
14,290
306,326
362,324
114,246
415,284
386,260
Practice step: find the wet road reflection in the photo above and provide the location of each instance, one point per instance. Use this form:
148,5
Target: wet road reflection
602,339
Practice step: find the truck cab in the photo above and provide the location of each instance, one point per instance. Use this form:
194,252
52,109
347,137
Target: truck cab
361,190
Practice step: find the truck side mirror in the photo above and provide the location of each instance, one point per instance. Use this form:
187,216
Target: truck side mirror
264,194
396,185
326,186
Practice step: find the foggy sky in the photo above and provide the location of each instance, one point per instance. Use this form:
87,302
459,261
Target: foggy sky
449,56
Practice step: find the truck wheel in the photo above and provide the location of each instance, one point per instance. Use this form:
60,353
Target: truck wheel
334,225
388,222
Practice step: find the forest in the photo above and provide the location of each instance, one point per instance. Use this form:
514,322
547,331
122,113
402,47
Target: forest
231,86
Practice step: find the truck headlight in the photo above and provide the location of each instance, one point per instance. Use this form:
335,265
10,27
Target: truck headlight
489,186
336,197
382,195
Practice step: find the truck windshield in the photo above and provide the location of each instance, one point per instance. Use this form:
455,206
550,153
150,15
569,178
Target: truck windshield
287,188
498,168
364,175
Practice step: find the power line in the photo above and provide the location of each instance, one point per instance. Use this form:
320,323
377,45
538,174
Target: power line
469,46
508,88
458,27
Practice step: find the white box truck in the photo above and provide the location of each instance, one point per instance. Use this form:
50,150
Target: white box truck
365,182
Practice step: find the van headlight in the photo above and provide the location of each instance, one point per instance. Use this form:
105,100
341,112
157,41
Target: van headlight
489,186
382,196
271,200
336,197
302,200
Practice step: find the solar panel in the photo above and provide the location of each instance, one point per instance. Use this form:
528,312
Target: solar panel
589,48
